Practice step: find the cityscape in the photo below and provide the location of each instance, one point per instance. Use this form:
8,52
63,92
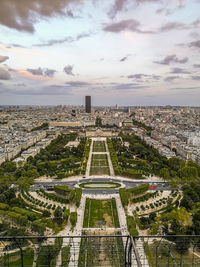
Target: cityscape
99,133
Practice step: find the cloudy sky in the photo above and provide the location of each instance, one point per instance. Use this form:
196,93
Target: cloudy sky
125,52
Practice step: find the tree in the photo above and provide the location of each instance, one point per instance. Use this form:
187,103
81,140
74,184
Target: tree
66,215
9,166
189,172
58,213
164,173
73,218
176,163
24,182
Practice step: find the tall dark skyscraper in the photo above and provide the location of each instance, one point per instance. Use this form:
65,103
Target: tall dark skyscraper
88,103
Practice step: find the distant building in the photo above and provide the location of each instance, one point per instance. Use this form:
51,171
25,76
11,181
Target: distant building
88,103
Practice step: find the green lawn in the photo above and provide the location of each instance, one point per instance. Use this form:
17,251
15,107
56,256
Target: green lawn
14,259
99,165
100,211
167,255
100,185
101,251
99,146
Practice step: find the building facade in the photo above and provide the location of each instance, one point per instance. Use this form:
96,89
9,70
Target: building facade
88,103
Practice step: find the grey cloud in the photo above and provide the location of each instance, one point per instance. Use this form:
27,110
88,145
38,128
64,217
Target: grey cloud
169,10
22,15
179,70
124,58
195,44
3,58
196,22
42,72
118,6
49,72
173,26
196,65
67,39
156,77
53,42
139,76
47,90
128,86
4,74
172,59
68,70
20,85
77,84
125,25
184,88
197,78
171,78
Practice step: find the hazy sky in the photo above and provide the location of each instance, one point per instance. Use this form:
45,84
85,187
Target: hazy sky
137,52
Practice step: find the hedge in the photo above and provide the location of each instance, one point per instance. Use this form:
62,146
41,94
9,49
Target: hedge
62,189
139,190
73,218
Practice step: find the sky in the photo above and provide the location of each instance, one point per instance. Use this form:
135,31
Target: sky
125,52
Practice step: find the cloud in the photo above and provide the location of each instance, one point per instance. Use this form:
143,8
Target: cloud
67,39
179,70
196,65
173,26
124,58
125,25
4,74
54,41
20,85
171,78
195,44
22,15
3,58
118,6
172,59
196,78
184,88
169,8
136,76
42,72
139,76
46,90
77,84
127,86
68,70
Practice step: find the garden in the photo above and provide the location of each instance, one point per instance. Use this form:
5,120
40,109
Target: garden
100,213
99,165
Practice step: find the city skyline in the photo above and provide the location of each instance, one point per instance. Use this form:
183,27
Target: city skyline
130,53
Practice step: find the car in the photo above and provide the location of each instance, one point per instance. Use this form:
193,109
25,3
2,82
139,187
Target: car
84,177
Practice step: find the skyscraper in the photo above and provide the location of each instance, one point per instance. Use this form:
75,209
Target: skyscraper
88,103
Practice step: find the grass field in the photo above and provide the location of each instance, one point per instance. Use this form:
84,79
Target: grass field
101,251
103,185
167,255
99,165
100,213
99,146
14,259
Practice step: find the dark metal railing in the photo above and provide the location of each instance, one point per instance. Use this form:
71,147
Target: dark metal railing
99,250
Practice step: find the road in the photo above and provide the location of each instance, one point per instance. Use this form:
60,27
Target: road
127,183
